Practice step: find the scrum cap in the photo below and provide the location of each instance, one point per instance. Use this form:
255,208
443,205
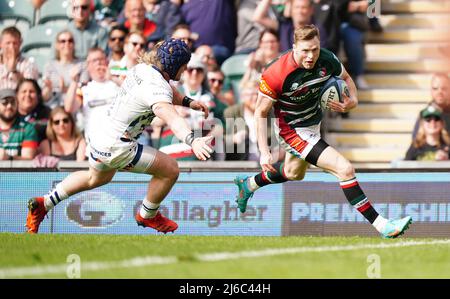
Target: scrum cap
173,54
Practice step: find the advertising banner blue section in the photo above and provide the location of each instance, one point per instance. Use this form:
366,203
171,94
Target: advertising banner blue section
317,206
201,204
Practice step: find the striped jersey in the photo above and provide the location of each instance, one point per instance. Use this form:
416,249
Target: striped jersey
22,134
295,90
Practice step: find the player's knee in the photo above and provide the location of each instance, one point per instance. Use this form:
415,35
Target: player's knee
346,171
172,170
293,175
96,181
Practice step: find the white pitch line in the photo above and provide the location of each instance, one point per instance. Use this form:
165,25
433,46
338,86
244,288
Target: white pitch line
208,257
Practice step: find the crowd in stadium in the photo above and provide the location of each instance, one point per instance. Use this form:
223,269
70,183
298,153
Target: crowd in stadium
44,114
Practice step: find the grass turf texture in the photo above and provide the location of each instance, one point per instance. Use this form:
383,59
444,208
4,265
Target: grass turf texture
423,261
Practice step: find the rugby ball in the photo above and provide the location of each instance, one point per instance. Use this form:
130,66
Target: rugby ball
333,90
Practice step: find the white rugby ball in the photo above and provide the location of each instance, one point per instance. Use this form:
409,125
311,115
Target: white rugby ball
333,90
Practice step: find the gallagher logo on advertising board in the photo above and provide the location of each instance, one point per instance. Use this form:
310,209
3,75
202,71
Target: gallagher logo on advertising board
95,210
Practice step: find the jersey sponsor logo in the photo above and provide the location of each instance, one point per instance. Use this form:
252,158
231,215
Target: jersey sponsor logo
322,72
100,153
294,86
265,89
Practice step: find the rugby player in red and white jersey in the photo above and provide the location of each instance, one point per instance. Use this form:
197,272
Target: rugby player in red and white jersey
144,95
291,85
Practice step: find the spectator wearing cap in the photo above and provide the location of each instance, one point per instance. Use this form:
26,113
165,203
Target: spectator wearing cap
13,66
440,98
432,141
18,138
194,87
87,33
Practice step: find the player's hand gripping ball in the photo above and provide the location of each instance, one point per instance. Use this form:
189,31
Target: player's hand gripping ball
333,90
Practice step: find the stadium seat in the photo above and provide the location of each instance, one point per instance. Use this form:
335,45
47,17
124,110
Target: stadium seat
22,25
19,10
234,69
54,12
39,36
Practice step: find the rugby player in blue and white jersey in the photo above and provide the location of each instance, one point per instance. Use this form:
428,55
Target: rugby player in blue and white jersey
144,95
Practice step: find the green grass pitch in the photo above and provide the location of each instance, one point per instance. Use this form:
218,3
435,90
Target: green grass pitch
119,256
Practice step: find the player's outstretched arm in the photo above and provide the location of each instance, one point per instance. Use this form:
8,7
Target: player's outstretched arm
180,100
180,128
262,110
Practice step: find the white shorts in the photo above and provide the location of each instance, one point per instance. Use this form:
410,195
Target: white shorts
299,141
129,156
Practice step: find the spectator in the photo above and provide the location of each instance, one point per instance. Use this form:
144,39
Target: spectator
13,66
135,18
440,98
220,101
215,24
268,49
240,137
193,79
133,47
107,11
116,45
432,142
165,14
183,32
298,13
87,33
354,24
18,138
206,54
31,105
253,16
94,97
194,87
63,141
56,75
327,17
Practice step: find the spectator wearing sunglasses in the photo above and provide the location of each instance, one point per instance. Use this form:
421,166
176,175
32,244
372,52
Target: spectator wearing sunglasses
64,141
432,141
87,33
56,75
193,79
18,138
221,102
116,44
134,45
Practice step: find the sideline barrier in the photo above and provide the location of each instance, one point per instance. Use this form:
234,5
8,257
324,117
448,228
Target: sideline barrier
203,203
